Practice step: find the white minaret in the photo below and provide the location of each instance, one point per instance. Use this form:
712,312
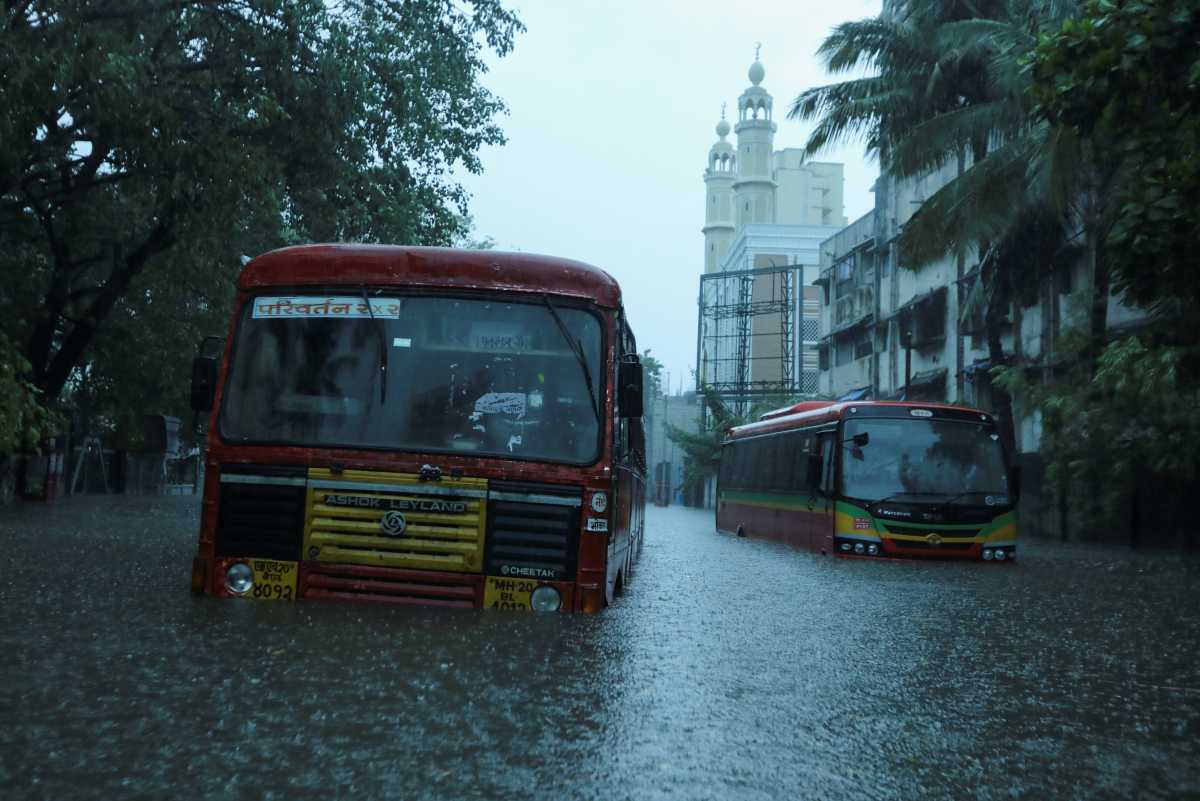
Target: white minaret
754,189
718,206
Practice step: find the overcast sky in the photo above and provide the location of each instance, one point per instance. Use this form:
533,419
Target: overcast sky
612,107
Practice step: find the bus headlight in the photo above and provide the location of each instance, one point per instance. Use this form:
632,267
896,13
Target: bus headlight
987,554
1001,555
545,599
239,578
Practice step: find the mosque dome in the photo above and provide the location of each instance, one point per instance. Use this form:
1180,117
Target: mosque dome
757,73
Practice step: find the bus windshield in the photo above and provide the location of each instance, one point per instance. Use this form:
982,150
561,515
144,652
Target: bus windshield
462,375
956,461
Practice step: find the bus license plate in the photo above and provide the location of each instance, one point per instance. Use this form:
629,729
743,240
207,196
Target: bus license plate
507,593
273,580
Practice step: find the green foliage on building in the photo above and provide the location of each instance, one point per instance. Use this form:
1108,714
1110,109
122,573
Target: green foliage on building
1076,131
1125,78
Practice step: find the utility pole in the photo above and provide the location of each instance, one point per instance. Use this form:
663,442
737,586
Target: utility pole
906,341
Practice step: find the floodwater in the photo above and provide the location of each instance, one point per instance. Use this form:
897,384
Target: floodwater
732,669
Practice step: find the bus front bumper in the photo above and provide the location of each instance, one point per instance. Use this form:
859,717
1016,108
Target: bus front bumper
276,580
933,547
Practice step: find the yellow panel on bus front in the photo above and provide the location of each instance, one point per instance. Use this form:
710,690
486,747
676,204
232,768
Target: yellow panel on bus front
363,517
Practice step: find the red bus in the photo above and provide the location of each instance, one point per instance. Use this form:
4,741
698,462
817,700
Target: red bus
422,426
872,479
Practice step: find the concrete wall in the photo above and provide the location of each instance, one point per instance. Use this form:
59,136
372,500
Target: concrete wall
809,193
681,411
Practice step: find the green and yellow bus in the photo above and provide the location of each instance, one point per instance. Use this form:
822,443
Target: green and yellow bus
872,479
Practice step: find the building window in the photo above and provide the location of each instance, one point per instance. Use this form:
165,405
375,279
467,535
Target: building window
925,321
844,351
862,345
844,275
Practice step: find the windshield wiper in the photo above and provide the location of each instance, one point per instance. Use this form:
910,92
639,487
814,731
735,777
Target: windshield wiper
946,503
383,351
577,349
898,494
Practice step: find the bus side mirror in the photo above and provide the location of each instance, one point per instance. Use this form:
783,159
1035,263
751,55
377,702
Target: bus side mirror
813,473
204,383
629,386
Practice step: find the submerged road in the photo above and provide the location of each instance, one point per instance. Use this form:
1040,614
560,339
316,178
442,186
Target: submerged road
732,669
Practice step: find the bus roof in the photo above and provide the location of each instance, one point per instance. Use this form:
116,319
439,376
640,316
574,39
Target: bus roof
827,412
383,265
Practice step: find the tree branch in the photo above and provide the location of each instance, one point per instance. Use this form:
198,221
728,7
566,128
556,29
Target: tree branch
124,271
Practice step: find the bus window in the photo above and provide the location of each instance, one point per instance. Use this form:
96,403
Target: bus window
827,471
781,462
724,467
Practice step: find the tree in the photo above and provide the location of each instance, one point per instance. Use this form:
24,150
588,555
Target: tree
467,237
652,369
1125,78
703,449
22,417
1120,439
949,88
146,141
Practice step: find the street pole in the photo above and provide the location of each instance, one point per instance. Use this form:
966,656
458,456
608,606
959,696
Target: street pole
907,369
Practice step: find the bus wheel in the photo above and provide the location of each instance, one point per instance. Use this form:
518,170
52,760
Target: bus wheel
741,532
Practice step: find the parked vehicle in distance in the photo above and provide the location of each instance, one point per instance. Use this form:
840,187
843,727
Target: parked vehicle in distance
422,426
872,479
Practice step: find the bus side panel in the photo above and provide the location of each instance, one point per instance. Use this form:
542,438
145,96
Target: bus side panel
823,528
783,522
622,520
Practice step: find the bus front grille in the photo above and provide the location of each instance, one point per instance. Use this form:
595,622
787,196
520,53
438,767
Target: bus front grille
923,545
390,520
363,583
941,531
260,515
533,530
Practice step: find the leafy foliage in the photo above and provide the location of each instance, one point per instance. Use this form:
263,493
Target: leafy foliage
149,146
950,90
703,449
1125,76
22,417
1076,128
468,238
1105,431
652,370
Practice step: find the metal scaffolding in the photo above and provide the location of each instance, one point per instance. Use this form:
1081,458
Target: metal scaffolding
746,337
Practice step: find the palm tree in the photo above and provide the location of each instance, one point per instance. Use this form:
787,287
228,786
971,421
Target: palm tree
950,88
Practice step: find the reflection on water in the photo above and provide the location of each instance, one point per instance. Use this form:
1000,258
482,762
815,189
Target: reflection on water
733,669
